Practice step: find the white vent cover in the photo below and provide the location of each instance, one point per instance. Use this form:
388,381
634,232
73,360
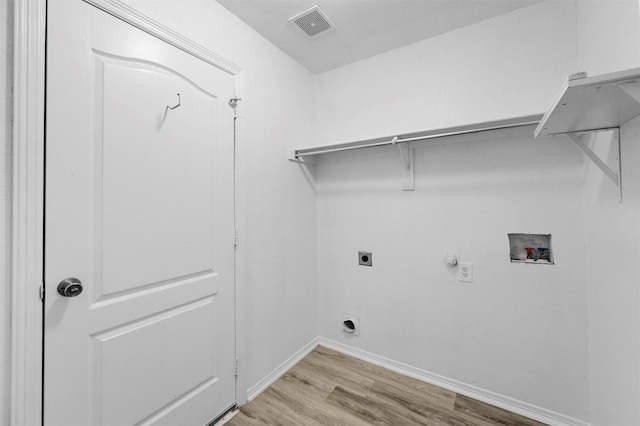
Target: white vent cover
313,21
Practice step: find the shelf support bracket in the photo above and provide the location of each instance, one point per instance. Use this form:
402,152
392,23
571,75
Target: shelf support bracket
408,178
293,156
632,89
613,175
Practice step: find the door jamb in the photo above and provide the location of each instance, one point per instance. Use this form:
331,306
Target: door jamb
27,212
27,240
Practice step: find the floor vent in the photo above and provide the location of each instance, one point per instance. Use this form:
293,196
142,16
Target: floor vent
313,21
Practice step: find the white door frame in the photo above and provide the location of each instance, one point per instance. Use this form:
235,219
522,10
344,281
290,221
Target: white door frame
27,243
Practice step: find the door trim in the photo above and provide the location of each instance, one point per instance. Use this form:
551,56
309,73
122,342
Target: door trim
133,17
28,164
27,212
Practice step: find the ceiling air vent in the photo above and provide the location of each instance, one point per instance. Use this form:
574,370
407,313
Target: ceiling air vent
313,21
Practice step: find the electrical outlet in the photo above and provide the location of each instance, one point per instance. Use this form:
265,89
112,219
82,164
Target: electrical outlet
465,272
365,258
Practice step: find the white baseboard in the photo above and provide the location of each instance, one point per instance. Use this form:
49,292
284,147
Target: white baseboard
501,401
519,407
259,387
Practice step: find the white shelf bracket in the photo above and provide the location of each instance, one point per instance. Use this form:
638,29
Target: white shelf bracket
404,152
293,156
613,175
632,89
408,179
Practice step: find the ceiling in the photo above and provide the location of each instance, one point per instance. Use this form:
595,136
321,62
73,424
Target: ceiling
364,28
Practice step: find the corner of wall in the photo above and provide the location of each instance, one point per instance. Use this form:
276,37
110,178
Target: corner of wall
608,37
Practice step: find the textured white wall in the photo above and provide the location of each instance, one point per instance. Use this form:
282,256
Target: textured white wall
612,240
609,40
517,330
509,66
6,82
608,35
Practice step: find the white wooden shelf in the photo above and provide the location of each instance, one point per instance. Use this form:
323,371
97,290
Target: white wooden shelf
406,143
586,106
530,120
593,103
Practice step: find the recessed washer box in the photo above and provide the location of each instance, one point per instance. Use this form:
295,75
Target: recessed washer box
530,248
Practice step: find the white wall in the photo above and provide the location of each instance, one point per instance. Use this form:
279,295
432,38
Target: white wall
612,240
6,82
609,35
517,330
509,66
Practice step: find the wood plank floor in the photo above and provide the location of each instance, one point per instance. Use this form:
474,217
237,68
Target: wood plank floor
329,388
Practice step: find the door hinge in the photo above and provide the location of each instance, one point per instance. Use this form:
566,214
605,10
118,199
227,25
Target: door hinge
237,366
236,238
42,293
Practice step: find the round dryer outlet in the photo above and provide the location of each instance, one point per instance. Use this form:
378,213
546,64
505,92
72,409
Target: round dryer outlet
351,324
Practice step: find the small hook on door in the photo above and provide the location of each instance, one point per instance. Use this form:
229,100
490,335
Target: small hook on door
233,102
174,107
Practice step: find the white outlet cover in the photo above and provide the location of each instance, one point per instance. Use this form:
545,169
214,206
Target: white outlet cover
465,272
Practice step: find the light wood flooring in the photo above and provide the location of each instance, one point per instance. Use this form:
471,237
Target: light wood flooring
329,388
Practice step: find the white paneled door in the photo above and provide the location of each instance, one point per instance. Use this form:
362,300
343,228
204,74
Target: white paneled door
139,210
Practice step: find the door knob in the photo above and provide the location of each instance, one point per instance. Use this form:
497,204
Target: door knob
70,287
